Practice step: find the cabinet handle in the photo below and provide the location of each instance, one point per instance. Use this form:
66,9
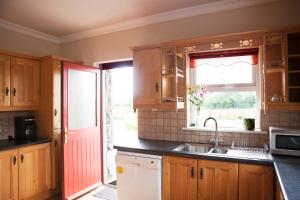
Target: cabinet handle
55,112
156,87
14,160
192,172
201,173
22,158
6,91
55,142
14,91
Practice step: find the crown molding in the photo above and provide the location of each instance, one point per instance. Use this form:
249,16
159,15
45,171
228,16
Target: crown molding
218,6
28,31
164,17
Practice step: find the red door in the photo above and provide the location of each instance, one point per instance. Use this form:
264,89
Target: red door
81,122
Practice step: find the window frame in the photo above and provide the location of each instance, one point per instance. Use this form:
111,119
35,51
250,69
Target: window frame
254,86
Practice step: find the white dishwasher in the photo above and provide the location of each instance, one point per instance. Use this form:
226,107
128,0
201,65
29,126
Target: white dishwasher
138,176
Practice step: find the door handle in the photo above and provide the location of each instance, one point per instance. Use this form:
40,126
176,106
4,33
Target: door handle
6,91
156,87
201,173
192,172
14,160
66,134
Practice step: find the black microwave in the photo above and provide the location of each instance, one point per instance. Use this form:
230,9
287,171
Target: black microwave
25,128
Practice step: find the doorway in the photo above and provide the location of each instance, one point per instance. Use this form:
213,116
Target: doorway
119,118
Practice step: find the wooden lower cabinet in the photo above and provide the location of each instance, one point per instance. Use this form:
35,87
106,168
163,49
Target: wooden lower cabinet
217,180
34,171
255,182
8,175
278,192
179,178
191,179
56,161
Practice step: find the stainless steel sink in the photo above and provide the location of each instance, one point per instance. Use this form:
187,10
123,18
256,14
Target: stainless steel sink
218,151
200,149
193,148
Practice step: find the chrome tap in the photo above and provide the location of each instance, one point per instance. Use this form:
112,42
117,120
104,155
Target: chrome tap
216,132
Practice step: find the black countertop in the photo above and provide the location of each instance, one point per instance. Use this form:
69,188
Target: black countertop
288,173
158,147
12,144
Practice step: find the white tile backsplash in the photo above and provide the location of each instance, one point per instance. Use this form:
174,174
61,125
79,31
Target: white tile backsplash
167,125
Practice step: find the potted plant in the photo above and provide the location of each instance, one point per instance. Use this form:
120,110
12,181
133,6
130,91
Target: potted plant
196,95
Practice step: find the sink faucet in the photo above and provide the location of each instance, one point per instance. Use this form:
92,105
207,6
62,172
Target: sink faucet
216,132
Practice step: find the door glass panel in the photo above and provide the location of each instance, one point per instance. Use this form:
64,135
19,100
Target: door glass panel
81,99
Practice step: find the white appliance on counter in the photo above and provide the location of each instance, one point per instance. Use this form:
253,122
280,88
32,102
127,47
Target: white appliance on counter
139,176
284,141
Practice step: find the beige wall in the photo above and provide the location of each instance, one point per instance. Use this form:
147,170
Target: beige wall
115,45
24,44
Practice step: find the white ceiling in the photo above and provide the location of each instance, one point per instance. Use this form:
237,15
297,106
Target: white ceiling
64,17
67,20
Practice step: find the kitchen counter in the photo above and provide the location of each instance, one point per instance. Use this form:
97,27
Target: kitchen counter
288,173
12,144
287,168
158,147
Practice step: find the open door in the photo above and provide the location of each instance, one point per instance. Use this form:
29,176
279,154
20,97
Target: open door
81,134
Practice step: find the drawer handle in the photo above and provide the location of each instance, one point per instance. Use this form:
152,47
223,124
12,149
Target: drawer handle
22,158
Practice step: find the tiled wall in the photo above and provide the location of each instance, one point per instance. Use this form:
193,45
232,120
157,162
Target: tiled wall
7,123
167,125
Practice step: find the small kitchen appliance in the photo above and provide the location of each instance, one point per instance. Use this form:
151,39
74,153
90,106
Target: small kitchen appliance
284,141
25,127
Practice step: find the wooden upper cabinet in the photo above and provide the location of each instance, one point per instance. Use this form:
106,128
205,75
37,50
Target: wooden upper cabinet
34,170
57,93
8,175
146,76
255,182
4,80
24,82
217,180
179,178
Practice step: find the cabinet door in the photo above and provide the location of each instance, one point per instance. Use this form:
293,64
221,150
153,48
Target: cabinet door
24,82
217,180
43,167
8,175
34,170
179,178
146,77
57,94
4,80
56,161
278,192
255,182
27,172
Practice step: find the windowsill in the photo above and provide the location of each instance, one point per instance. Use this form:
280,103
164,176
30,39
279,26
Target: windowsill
226,130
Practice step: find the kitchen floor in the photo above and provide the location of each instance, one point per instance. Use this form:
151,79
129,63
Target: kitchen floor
90,195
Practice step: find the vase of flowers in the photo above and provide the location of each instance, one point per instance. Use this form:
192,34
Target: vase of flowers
196,94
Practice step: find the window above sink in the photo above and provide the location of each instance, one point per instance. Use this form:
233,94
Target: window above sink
232,88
